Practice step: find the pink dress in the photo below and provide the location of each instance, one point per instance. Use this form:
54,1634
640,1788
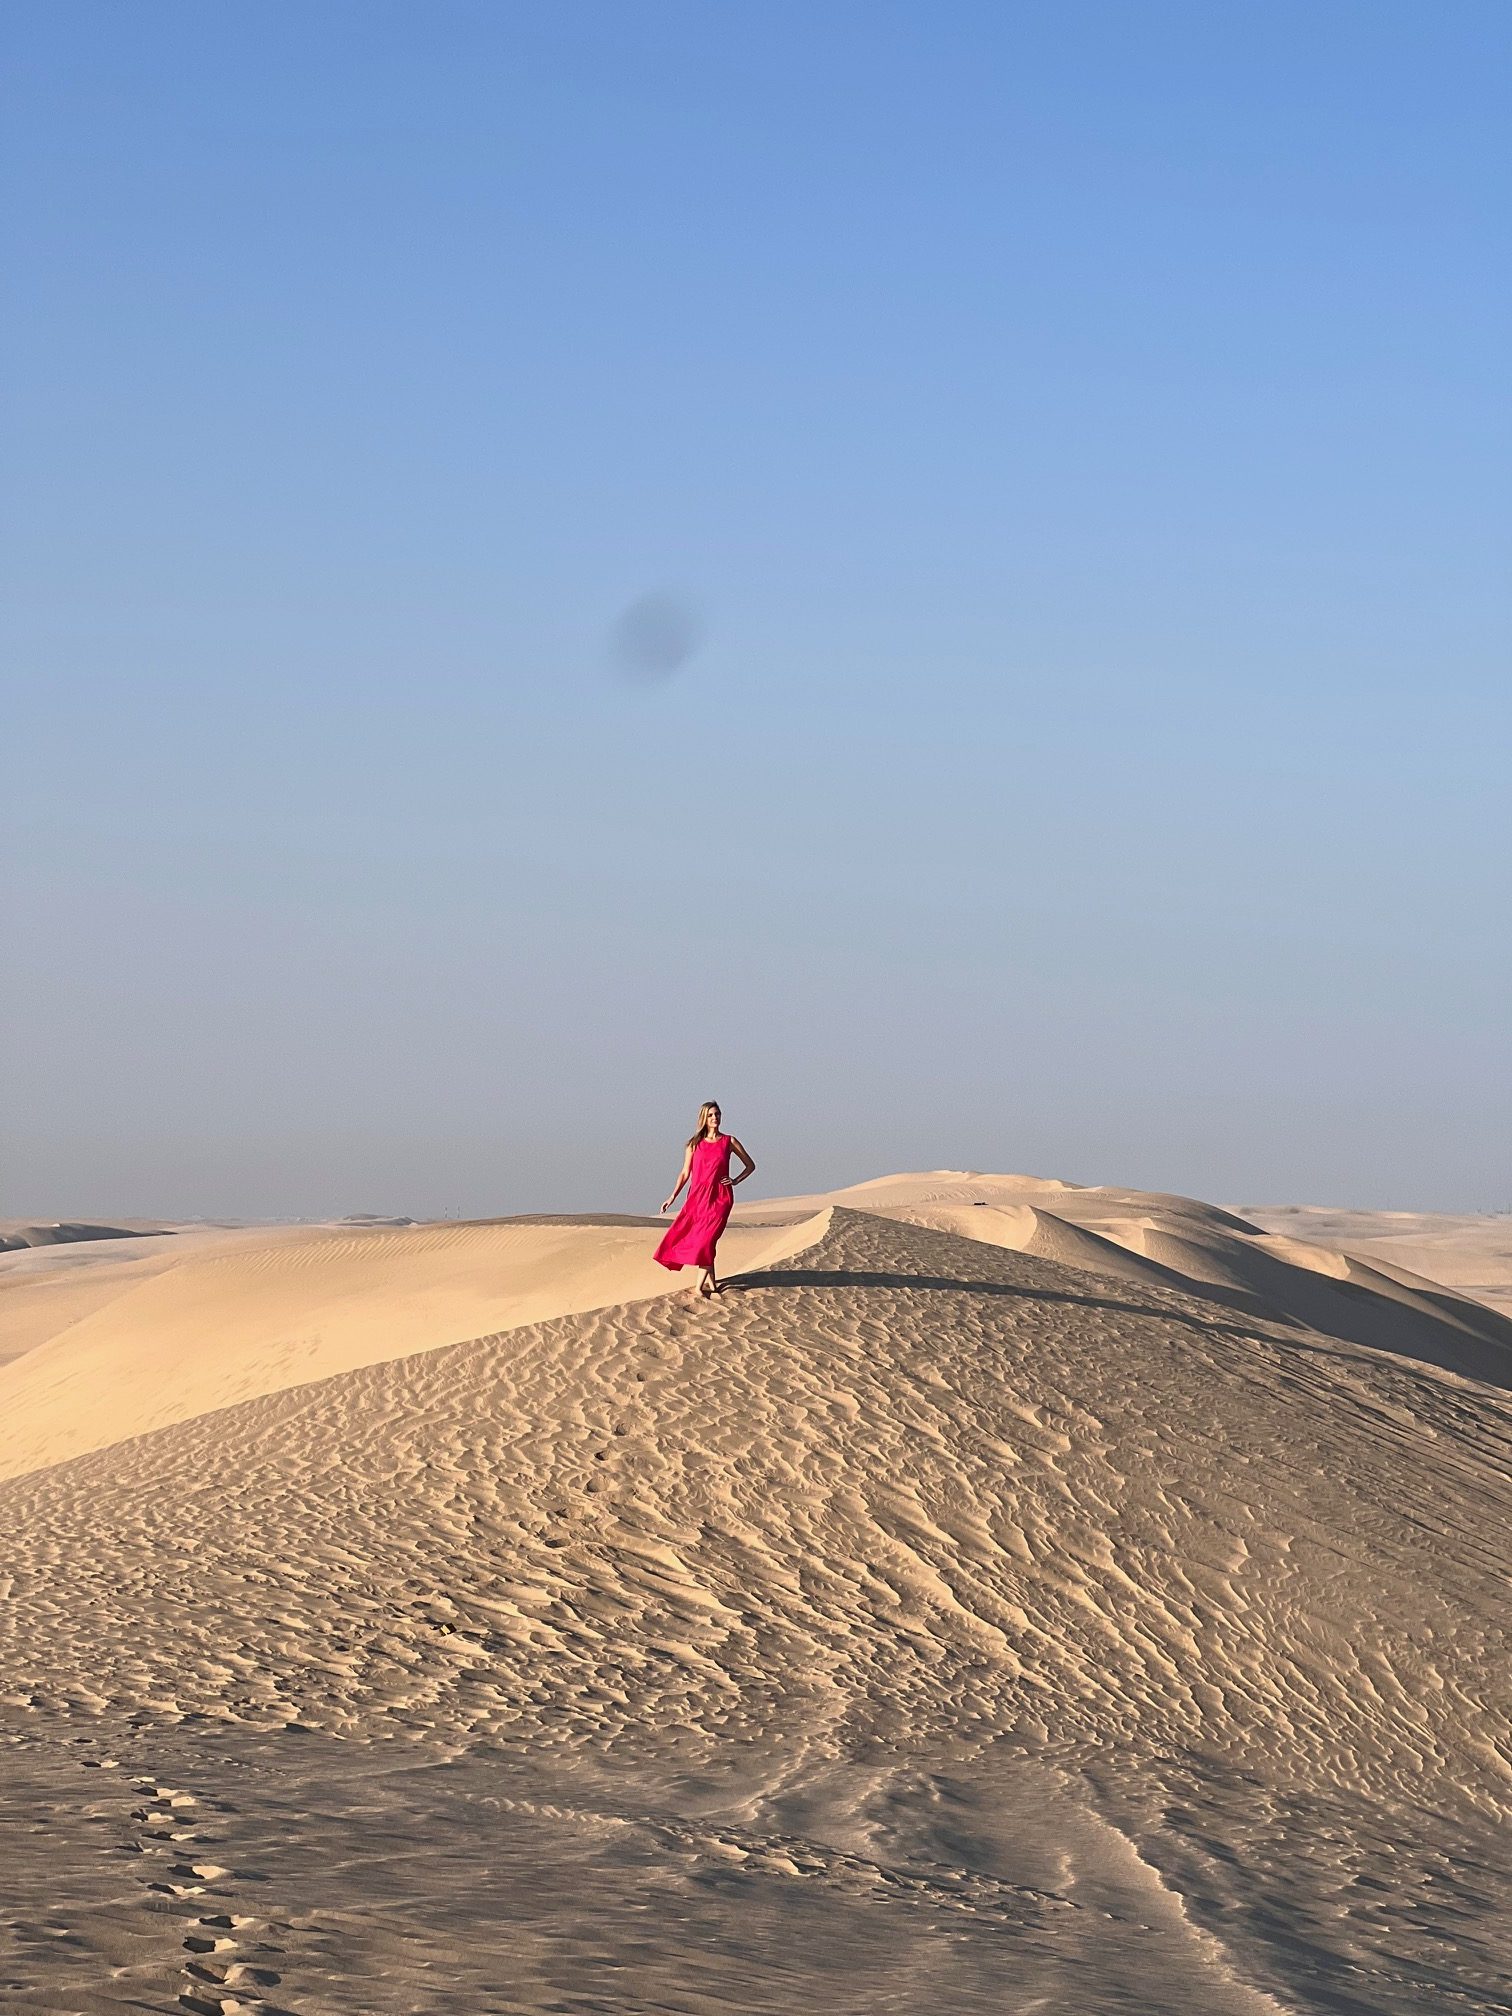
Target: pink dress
690,1239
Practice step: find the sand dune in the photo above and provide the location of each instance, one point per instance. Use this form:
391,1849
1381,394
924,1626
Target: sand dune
15,1234
222,1318
1471,1254
933,1623
48,1285
1179,1242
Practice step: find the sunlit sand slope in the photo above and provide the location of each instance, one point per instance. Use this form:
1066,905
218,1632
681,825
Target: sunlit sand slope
1187,1605
46,1286
252,1312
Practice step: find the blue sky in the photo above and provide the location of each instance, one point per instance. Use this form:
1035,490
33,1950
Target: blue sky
1082,432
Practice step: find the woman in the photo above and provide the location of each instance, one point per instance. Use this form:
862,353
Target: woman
690,1239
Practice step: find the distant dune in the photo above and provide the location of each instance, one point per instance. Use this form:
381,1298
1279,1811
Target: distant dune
14,1235
1472,1254
1008,1596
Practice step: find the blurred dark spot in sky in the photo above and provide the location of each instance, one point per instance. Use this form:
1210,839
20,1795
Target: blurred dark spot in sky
655,636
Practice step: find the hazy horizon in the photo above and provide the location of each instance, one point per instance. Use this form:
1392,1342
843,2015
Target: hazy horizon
1066,454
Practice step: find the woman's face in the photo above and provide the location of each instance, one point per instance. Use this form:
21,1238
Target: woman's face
713,1126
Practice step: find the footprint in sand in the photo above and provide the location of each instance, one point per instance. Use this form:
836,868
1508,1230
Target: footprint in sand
224,1978
200,1942
221,1977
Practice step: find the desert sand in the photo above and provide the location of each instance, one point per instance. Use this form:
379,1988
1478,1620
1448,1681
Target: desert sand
1008,1596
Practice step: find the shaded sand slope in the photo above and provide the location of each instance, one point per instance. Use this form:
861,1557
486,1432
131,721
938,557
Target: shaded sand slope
204,1321
919,1574
1179,1242
16,1234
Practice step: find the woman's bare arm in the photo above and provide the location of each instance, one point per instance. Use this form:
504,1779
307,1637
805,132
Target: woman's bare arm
687,1165
736,1149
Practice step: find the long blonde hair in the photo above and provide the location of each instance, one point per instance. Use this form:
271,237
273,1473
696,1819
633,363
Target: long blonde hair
700,1132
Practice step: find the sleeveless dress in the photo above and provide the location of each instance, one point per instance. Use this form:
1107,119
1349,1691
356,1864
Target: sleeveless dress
690,1239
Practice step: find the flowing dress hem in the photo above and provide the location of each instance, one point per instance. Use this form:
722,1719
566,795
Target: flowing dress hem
691,1238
